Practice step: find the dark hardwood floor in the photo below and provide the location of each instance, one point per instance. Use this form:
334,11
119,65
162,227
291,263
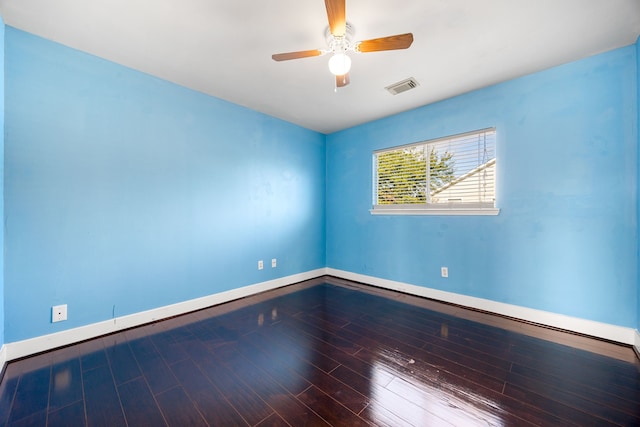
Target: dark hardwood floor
336,354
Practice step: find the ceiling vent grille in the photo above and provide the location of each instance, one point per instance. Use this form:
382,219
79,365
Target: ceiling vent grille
402,86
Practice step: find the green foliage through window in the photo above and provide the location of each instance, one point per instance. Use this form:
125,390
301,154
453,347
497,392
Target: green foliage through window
402,174
461,169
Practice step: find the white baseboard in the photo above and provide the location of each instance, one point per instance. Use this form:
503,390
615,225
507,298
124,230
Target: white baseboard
18,349
606,331
3,357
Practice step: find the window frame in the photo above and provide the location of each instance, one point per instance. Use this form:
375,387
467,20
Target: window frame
455,208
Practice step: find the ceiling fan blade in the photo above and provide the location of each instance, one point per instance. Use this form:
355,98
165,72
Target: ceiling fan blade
336,12
296,55
400,41
342,80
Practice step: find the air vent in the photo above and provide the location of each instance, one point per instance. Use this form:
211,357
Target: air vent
403,86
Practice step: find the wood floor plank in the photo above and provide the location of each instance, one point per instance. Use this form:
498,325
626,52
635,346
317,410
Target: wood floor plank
366,385
140,408
101,399
311,327
329,409
123,364
461,406
415,323
65,385
384,400
37,419
356,364
603,408
7,393
510,411
94,359
69,416
178,409
153,366
304,348
274,420
327,354
378,415
436,345
32,394
566,413
286,405
396,351
169,348
436,379
601,393
211,403
330,385
562,362
243,399
278,367
206,335
359,382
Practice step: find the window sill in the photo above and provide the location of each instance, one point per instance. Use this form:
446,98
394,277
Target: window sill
443,212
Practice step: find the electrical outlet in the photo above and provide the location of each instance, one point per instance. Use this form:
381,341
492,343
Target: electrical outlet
274,262
58,313
260,265
444,271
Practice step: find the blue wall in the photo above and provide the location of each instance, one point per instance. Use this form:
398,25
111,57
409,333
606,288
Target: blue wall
566,238
1,180
638,133
125,190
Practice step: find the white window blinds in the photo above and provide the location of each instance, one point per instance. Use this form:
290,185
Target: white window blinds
455,172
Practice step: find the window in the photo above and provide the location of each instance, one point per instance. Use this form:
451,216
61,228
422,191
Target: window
455,175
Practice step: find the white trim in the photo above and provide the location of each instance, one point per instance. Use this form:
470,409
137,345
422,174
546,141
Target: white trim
462,211
3,356
18,349
607,331
436,140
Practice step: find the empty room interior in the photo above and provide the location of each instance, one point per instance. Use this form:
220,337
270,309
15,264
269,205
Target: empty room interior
320,213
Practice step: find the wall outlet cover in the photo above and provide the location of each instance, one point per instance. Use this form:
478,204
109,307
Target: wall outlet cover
58,313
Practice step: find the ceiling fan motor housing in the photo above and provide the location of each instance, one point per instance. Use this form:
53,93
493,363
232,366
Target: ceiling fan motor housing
340,44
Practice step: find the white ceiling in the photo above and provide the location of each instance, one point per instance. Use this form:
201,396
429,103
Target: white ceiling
223,47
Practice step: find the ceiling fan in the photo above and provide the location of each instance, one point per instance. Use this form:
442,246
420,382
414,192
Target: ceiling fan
339,40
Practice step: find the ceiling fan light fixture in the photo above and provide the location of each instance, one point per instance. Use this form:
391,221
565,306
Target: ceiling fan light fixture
339,36
339,64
